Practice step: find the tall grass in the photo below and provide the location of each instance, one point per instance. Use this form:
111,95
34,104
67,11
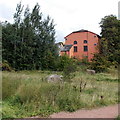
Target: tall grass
27,93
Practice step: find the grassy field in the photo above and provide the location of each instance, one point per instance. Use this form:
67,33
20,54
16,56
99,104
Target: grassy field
27,93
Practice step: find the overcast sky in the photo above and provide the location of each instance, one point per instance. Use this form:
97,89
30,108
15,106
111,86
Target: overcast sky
68,15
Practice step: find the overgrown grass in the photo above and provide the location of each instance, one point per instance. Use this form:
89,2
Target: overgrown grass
27,93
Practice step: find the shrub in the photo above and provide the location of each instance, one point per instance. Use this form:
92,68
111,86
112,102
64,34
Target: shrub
61,62
99,63
68,72
85,61
5,66
67,65
64,61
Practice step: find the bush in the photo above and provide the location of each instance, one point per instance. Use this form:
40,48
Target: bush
68,66
68,72
5,66
99,63
85,61
61,62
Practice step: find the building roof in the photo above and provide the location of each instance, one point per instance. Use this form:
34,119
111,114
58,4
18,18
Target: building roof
66,48
59,43
82,30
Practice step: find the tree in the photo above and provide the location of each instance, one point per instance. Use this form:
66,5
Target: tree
29,43
48,50
8,43
110,43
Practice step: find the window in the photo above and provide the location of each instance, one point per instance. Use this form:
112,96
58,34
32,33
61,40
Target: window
95,44
75,48
85,41
75,42
85,48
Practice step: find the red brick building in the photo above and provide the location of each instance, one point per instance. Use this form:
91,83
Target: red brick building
81,44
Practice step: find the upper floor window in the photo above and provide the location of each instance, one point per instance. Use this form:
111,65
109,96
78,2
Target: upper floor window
75,48
75,42
95,44
85,48
85,41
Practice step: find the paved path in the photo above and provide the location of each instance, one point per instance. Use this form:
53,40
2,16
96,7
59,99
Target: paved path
103,112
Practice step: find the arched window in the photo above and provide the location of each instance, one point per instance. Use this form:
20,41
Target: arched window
85,41
75,42
95,44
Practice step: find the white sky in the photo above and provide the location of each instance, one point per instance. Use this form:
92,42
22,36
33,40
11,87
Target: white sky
68,15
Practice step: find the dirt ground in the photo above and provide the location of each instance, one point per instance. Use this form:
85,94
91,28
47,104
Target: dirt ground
103,112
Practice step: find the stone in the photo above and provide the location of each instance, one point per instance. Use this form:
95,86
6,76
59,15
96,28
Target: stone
55,78
92,72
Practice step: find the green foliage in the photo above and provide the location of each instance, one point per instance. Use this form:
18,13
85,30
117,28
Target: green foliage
109,44
100,63
26,93
11,84
61,62
8,111
5,66
29,43
118,117
64,61
67,65
84,61
68,72
67,104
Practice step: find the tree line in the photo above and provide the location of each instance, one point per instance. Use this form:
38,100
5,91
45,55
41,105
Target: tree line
109,45
29,42
110,42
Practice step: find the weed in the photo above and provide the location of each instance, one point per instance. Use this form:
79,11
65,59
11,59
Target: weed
26,93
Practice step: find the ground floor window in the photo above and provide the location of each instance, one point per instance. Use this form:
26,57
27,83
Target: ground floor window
85,48
75,48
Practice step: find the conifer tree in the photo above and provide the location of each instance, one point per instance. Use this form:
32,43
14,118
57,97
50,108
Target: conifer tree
29,43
